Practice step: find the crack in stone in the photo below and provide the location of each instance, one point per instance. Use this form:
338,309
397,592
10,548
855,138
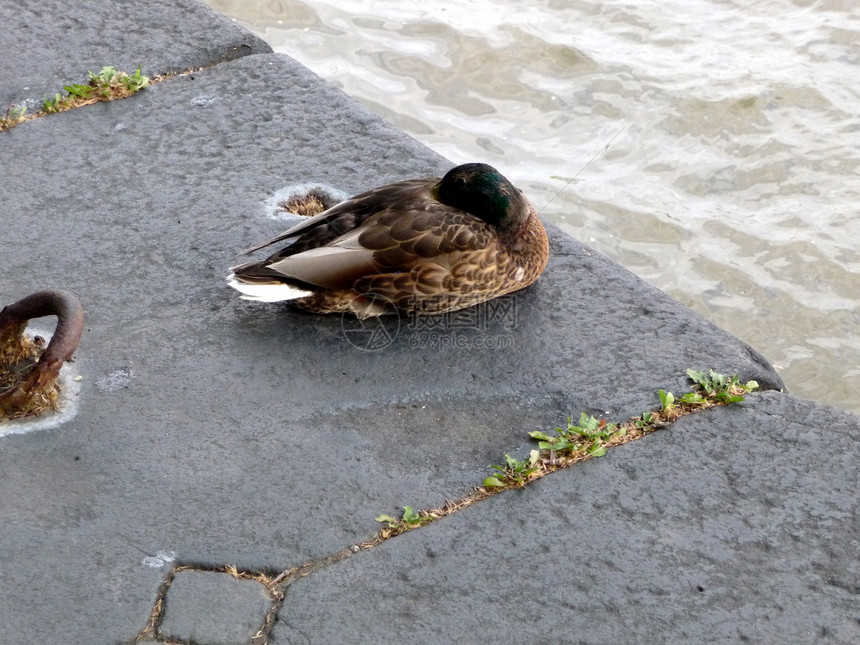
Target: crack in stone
288,576
8,124
277,585
262,635
152,629
274,584
156,614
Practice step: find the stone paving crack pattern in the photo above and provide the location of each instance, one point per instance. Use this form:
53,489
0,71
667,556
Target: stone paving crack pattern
212,603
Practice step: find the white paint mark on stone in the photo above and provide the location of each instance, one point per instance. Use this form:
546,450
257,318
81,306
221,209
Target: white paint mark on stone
116,380
202,100
160,559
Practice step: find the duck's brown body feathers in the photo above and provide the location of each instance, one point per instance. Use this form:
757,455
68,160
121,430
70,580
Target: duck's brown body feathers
398,247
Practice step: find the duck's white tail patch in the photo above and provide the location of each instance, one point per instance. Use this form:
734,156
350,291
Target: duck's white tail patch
268,292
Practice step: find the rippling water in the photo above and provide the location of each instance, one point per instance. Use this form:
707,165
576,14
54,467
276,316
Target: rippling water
712,147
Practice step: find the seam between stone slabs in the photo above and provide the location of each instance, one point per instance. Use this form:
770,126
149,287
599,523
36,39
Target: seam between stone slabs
631,430
43,113
276,586
152,629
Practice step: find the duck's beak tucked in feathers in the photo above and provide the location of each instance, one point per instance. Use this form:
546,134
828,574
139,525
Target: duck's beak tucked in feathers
425,245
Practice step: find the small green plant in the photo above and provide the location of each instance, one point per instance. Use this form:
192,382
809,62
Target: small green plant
135,82
645,421
589,434
667,400
717,387
14,115
16,111
411,518
81,91
108,84
53,104
515,471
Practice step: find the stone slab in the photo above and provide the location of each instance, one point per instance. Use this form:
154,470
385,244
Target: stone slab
78,592
257,435
213,608
47,44
739,524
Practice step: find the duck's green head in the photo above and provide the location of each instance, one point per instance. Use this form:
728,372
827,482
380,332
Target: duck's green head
484,192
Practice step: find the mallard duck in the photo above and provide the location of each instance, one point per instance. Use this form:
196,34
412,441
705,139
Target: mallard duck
418,246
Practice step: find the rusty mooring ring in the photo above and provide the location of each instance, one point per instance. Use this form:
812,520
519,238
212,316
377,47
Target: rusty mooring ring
70,325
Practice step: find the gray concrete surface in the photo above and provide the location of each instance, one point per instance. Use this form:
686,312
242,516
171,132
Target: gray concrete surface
52,43
227,432
216,608
736,525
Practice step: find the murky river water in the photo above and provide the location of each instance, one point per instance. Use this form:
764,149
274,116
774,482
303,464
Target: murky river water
711,147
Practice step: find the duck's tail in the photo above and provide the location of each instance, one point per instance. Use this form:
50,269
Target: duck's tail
255,282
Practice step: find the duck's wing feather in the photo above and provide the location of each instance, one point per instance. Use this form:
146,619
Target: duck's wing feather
329,267
395,240
350,214
433,231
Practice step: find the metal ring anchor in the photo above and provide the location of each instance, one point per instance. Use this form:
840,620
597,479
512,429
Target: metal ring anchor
16,398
